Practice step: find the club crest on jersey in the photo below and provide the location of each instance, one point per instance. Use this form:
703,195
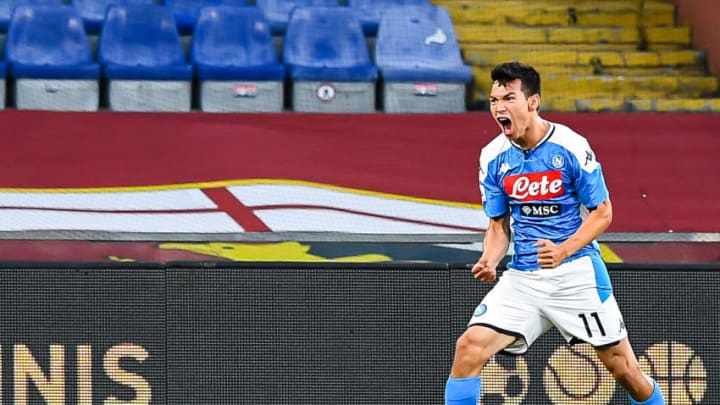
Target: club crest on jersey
558,161
480,310
534,186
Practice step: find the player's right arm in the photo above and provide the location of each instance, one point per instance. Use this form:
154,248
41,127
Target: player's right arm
496,207
495,247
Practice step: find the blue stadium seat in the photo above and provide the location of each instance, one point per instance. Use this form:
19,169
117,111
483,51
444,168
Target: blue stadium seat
370,11
236,61
144,60
48,54
420,61
278,12
328,62
7,6
93,12
187,11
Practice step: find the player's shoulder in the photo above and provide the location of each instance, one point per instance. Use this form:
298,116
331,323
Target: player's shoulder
567,137
491,151
571,141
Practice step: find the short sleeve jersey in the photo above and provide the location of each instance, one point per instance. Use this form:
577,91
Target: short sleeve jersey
547,190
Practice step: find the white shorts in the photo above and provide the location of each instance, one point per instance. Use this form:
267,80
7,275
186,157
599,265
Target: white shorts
575,297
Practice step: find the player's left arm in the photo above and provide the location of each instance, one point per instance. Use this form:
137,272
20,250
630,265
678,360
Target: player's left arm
551,255
586,174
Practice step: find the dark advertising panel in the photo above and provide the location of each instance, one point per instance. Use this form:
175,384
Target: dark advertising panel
322,334
330,335
82,335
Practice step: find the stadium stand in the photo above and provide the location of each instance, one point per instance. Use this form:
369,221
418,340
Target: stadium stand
278,12
143,60
328,61
594,56
614,55
49,58
93,12
235,60
419,61
186,12
370,11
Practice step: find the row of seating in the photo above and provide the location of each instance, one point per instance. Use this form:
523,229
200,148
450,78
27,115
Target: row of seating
186,12
613,55
324,57
562,13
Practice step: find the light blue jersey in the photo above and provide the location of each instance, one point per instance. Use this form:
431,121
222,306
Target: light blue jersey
547,189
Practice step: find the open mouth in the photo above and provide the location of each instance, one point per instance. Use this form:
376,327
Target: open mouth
505,122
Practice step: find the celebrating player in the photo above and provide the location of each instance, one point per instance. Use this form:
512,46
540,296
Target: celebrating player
542,180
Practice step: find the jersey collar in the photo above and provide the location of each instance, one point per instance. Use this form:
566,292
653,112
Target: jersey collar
548,134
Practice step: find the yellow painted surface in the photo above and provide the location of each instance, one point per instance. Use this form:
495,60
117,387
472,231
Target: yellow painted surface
264,252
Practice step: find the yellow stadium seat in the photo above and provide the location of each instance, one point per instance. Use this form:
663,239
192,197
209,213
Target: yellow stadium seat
668,35
688,105
675,105
570,35
599,104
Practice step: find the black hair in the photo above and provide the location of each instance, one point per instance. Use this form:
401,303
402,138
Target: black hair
505,73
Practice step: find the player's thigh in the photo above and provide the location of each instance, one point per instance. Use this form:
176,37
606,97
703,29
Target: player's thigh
484,341
598,323
582,311
511,308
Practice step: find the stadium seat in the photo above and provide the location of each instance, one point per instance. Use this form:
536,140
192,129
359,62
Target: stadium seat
236,62
328,62
278,12
93,12
143,60
49,57
186,12
7,6
370,11
420,61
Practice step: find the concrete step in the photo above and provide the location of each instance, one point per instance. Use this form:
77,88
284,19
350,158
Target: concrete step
474,33
643,103
550,13
613,86
601,58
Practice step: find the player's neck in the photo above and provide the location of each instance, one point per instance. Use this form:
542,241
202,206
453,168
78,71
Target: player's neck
535,133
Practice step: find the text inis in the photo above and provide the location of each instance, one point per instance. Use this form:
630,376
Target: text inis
534,186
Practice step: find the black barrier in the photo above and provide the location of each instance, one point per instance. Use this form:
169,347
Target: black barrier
321,334
330,335
82,335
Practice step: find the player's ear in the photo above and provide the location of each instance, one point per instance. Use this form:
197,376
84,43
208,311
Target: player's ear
534,102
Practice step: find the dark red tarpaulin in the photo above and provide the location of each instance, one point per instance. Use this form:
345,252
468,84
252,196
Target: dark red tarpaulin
661,168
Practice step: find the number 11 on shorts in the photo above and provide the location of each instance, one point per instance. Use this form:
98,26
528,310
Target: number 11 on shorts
595,316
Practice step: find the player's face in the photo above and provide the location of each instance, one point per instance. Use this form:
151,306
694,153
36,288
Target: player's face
511,109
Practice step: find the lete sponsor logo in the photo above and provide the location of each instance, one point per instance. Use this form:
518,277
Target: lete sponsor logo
534,186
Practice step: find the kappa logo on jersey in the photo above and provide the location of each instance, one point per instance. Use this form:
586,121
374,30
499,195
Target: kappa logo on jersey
534,186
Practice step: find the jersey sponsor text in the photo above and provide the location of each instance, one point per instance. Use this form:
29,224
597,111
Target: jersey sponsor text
540,210
534,186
